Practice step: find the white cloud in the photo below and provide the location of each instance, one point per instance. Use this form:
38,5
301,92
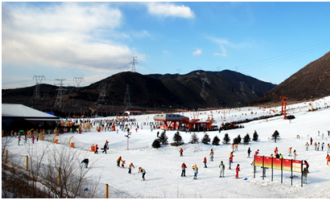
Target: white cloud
223,43
197,52
170,10
223,52
63,35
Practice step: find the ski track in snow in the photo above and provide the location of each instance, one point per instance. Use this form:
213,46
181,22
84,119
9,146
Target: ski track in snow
162,165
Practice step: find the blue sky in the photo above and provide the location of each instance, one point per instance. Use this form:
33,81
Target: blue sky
266,40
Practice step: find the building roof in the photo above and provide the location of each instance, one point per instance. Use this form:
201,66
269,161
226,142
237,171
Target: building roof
19,110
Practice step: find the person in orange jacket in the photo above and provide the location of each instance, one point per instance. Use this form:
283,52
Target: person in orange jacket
328,159
211,155
205,161
181,151
183,167
275,150
290,151
96,149
231,159
237,171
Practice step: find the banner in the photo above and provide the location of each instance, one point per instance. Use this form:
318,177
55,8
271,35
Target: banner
261,161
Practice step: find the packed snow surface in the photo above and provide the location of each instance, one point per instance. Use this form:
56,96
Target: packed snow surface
163,165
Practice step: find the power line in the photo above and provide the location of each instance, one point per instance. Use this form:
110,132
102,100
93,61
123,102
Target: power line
282,57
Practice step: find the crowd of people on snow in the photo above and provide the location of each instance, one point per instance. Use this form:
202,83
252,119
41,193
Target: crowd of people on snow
125,124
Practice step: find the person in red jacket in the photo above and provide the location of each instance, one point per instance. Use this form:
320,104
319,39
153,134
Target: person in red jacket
181,151
237,170
205,161
328,159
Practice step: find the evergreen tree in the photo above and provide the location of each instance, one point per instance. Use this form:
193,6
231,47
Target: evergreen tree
276,133
255,136
156,143
236,140
239,139
194,139
246,139
163,138
177,137
226,139
216,140
206,139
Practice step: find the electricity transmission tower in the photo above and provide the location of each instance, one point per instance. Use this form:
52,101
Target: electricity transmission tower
179,70
39,79
102,95
133,63
242,89
253,89
127,98
78,80
60,94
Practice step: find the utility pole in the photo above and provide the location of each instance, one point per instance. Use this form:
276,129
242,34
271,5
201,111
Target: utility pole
133,63
39,79
60,93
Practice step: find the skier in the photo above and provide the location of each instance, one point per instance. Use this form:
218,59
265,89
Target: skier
315,145
237,171
306,145
211,155
249,151
295,154
233,147
256,153
183,167
205,161
222,169
290,151
281,156
328,159
322,146
33,140
96,149
318,146
195,168
311,141
105,147
328,148
130,168
143,172
118,161
122,163
85,161
231,156
307,165
19,139
275,150
181,151
305,172
236,147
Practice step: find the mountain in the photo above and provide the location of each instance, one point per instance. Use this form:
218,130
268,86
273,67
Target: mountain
197,89
312,81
